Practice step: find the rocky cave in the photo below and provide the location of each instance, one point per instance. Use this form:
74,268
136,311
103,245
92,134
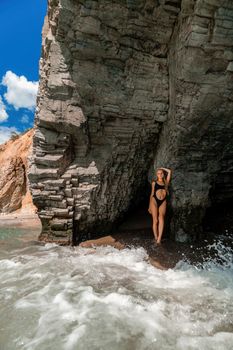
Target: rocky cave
125,87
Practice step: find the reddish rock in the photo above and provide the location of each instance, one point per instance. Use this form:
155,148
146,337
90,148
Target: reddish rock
15,196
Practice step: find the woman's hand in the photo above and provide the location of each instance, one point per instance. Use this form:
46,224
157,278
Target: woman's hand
168,174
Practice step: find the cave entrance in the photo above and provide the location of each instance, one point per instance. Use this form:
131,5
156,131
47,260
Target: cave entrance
135,225
136,218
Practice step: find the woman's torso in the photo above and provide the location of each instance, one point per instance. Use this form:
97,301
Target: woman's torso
162,193
159,186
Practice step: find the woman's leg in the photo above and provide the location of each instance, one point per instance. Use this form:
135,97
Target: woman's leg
154,213
162,212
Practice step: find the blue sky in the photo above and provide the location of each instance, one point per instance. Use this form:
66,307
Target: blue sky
21,24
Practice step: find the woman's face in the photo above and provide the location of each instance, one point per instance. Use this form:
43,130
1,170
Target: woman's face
160,174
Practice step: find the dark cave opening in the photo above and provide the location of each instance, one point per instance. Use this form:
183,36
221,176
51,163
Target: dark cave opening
218,219
133,226
136,217
137,220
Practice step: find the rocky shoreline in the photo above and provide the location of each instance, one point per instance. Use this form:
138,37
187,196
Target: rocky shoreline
133,234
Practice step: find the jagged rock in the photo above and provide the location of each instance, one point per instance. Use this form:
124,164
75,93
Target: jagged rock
124,87
15,196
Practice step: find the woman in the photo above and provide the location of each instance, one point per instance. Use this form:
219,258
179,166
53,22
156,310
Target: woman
158,202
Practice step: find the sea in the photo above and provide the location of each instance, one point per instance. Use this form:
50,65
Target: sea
74,298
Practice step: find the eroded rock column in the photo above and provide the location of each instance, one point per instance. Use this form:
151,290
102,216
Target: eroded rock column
103,97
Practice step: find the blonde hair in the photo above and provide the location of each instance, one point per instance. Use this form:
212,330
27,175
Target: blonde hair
164,180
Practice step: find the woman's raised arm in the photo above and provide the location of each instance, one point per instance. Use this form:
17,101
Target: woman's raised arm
169,173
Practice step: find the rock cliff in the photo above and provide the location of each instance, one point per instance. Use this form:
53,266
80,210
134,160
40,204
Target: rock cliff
125,87
14,187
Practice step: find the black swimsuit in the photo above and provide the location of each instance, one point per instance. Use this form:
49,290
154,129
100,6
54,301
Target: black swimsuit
159,201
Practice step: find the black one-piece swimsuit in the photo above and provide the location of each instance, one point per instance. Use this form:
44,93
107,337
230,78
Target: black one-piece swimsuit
159,201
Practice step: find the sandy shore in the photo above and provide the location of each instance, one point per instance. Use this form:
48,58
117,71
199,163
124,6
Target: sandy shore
20,220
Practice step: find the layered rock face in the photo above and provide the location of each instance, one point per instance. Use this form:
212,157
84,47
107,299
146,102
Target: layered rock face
15,196
126,86
196,140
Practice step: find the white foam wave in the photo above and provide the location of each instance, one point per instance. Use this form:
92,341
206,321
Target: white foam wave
79,298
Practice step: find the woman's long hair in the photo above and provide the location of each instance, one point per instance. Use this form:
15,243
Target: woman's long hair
164,180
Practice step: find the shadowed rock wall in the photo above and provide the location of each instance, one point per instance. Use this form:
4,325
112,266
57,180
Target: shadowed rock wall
196,139
125,85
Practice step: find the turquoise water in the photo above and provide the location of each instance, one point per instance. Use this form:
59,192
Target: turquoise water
10,233
55,297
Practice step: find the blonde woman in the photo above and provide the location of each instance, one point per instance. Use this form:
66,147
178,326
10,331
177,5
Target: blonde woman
158,201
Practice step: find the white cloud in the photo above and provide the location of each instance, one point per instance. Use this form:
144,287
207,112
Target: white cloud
3,113
5,133
25,119
21,93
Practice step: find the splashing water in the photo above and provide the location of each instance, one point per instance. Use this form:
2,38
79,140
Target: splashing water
55,297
